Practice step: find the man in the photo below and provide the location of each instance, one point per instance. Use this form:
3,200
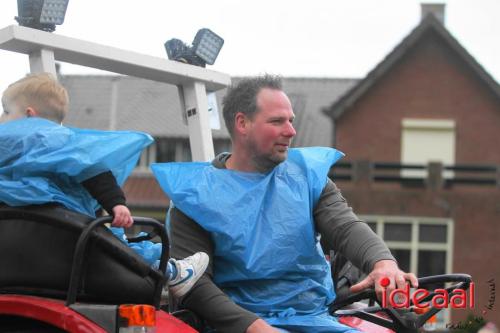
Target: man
258,212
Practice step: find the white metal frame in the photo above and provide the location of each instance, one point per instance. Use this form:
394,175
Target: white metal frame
44,48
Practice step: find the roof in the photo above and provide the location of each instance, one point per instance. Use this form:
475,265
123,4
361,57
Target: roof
309,97
142,190
125,103
428,24
128,103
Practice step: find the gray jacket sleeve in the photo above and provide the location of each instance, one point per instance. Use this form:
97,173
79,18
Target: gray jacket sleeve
342,231
205,299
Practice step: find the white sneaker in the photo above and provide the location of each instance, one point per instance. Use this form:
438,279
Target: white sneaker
189,270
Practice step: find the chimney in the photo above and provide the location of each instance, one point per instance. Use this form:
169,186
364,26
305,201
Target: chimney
437,9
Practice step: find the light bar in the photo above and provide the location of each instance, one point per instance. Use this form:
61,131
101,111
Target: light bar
53,11
41,14
205,49
207,45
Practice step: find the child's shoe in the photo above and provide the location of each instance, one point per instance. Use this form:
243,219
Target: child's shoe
186,272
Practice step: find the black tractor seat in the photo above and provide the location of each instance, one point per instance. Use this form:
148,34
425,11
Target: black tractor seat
37,247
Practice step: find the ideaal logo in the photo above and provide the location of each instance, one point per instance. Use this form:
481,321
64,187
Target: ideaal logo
440,300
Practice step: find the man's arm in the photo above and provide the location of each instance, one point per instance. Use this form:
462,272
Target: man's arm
343,232
206,299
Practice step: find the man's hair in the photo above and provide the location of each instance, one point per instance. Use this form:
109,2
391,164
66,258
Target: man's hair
41,92
243,97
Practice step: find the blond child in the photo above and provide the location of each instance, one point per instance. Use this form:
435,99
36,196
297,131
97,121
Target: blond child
43,161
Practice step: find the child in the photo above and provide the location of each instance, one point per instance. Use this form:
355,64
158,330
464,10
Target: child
42,161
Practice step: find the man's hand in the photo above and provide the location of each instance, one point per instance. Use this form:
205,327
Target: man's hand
385,269
122,217
260,326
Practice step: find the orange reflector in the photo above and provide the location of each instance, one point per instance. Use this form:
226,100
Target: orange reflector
420,310
431,320
138,315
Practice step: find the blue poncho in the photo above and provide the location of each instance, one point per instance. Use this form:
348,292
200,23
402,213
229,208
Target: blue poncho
43,162
267,256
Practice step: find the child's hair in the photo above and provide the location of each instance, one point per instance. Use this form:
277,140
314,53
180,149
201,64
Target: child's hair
40,91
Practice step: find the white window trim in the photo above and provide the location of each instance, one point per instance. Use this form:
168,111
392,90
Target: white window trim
442,124
147,157
179,151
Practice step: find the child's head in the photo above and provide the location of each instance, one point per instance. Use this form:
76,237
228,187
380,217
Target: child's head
36,95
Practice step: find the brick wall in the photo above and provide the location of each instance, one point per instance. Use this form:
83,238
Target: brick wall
430,81
475,212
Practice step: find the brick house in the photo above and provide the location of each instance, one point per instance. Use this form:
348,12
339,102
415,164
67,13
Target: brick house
421,133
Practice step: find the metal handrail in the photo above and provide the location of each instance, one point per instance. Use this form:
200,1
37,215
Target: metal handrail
79,257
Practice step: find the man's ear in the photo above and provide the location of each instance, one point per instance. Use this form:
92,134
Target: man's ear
31,112
241,122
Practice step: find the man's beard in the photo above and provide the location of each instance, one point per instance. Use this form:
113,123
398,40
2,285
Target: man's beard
265,162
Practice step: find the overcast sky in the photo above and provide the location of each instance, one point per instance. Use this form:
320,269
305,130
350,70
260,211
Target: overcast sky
318,38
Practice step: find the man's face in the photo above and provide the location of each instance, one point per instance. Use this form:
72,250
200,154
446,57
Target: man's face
271,131
10,112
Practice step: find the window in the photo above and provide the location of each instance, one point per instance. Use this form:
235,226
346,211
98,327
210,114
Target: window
179,150
427,140
174,150
183,151
222,146
422,245
148,156
165,150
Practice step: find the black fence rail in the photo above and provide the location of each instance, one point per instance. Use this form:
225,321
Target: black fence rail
473,174
341,171
434,174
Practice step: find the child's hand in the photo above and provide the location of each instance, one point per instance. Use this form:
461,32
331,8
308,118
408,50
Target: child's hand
122,217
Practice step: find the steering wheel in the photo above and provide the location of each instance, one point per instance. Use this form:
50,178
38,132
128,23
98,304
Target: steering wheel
400,320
